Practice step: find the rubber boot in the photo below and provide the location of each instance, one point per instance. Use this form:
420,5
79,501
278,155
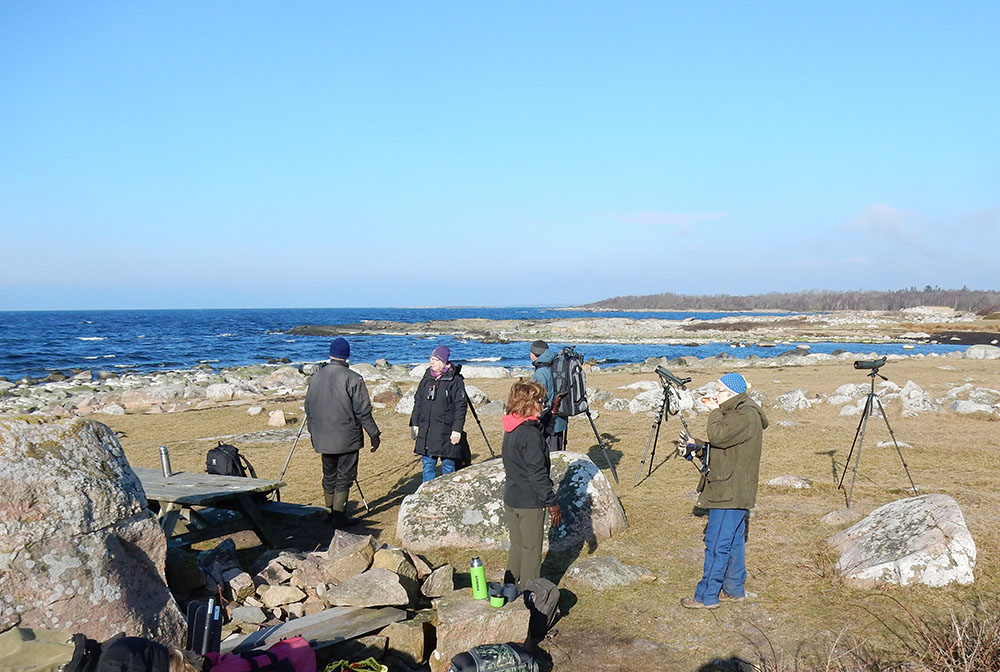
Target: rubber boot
340,518
330,499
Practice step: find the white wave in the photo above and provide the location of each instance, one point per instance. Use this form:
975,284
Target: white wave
94,357
110,356
90,338
289,340
484,359
141,336
207,361
226,335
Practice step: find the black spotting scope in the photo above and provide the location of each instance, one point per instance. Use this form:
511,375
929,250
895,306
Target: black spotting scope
869,363
671,378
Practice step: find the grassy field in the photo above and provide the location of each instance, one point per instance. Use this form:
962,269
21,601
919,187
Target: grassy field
803,611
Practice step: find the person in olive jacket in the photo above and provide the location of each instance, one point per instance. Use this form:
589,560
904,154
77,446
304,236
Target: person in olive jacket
438,417
528,491
337,409
735,432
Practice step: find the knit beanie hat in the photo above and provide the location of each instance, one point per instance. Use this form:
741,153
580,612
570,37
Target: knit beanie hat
734,382
538,347
441,352
340,349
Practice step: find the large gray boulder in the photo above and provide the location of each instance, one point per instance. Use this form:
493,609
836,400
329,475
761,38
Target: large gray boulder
79,549
982,352
915,540
465,509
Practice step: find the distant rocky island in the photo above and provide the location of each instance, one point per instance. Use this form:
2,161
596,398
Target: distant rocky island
923,324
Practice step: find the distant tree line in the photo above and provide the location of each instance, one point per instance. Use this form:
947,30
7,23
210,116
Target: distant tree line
982,302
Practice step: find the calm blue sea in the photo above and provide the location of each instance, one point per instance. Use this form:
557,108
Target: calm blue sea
34,343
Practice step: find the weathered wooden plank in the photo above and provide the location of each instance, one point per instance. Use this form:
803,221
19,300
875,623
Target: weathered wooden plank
321,629
292,509
197,489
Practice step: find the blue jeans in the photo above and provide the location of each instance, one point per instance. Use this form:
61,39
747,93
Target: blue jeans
725,555
430,467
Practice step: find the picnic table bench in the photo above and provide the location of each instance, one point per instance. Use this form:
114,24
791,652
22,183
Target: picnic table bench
184,490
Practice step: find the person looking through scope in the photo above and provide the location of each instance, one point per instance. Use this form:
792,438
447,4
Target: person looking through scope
728,489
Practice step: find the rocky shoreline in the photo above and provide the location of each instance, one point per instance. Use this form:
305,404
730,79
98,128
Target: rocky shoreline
87,392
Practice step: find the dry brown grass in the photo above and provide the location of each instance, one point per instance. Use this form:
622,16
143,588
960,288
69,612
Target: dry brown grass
804,611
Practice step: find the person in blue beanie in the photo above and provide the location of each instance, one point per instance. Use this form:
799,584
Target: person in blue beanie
339,411
735,433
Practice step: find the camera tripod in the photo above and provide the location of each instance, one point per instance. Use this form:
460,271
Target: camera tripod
859,435
668,380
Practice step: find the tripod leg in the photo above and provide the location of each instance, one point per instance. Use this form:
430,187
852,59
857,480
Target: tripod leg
654,432
861,439
898,451
601,444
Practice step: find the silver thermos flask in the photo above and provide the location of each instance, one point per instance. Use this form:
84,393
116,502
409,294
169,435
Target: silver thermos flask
165,462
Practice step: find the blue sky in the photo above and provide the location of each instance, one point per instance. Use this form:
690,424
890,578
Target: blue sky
251,154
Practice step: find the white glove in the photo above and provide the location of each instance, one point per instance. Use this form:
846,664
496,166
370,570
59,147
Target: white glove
455,438
414,431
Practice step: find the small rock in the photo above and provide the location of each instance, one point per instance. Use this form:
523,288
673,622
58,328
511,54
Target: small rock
796,482
276,419
255,410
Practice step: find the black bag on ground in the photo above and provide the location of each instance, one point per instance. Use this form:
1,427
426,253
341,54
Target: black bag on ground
227,460
541,596
508,657
568,377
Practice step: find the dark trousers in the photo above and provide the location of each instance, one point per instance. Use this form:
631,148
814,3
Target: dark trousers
339,471
527,528
555,442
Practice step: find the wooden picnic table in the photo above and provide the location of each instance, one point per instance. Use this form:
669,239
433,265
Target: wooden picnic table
183,490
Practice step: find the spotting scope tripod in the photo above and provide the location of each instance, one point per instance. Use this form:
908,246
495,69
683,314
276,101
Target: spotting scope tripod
669,382
859,436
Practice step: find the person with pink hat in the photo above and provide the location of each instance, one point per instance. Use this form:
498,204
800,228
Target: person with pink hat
438,420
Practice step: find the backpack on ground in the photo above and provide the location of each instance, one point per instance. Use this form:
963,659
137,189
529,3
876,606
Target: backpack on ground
568,377
541,596
508,657
227,460
289,655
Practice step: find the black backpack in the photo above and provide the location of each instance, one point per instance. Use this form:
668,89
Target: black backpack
227,460
568,377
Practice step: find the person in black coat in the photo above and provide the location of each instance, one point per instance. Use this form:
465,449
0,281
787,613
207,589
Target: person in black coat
438,417
528,492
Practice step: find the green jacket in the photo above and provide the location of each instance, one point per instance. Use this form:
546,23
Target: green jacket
735,430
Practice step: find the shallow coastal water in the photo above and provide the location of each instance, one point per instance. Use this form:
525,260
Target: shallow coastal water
34,343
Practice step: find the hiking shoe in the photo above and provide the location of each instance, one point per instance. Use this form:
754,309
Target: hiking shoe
691,603
748,595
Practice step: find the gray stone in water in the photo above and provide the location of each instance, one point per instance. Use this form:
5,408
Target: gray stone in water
464,623
915,540
606,571
465,509
79,549
795,482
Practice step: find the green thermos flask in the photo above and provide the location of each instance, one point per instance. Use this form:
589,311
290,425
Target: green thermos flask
478,574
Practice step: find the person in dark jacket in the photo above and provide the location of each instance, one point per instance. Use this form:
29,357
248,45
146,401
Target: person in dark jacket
338,409
542,358
528,492
735,433
438,417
